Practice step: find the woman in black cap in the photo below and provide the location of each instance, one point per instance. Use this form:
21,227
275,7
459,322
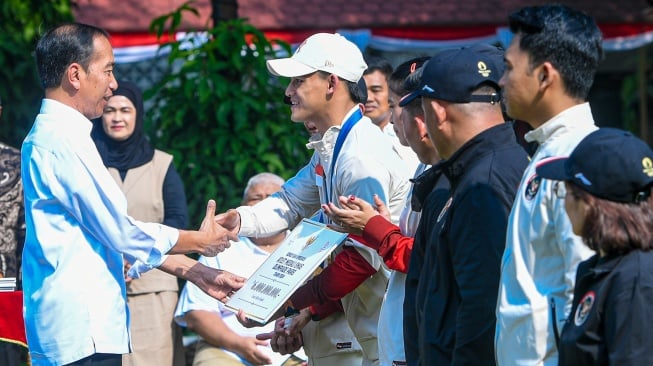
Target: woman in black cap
607,194
155,193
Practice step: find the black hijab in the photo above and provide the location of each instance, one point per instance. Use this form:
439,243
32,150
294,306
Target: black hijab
133,151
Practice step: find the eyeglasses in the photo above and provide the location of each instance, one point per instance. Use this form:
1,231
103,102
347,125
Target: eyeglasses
560,190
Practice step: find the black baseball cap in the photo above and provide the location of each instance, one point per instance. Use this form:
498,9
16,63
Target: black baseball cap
453,74
609,163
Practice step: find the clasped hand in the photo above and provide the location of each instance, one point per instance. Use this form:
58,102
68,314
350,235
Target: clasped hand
218,237
354,213
287,337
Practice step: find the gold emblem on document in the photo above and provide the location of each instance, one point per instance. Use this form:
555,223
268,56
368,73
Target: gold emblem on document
310,241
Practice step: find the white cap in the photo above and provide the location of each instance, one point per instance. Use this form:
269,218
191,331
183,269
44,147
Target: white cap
327,52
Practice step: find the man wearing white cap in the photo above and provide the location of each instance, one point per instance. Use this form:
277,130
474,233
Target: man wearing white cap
352,157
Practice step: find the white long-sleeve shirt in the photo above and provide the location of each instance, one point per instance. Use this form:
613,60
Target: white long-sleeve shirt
539,263
367,165
77,228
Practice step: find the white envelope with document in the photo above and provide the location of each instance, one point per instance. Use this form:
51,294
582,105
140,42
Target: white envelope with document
285,270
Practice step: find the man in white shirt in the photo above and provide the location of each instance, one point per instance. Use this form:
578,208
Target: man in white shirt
352,157
380,105
76,217
356,215
550,66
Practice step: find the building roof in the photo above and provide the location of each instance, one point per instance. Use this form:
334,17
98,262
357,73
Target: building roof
275,15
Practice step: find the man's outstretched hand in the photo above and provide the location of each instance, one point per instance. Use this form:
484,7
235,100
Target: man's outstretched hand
229,220
217,283
218,236
210,240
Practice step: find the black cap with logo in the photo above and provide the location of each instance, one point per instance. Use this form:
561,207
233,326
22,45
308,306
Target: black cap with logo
453,74
609,163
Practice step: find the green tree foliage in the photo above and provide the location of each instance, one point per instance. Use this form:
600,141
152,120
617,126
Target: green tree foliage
222,114
21,23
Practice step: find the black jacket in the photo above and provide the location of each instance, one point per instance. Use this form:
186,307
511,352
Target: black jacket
612,313
431,191
449,310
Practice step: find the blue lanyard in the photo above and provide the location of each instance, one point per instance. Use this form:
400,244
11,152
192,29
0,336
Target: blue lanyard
344,131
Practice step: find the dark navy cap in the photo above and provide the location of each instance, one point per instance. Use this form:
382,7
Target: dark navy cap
453,74
609,163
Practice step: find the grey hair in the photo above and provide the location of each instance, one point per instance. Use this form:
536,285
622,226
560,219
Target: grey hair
260,178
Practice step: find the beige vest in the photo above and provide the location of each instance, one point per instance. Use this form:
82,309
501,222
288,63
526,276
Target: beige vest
143,187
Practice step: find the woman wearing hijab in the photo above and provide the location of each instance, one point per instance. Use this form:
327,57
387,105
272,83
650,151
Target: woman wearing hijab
607,187
155,193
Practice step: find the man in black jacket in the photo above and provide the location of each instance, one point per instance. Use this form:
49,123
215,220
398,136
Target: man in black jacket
450,306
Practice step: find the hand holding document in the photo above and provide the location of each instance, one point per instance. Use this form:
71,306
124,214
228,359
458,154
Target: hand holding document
285,270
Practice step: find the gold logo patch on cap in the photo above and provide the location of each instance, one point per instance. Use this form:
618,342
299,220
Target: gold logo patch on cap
647,164
483,70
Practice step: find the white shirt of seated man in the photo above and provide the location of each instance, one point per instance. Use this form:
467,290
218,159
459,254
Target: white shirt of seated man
207,316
